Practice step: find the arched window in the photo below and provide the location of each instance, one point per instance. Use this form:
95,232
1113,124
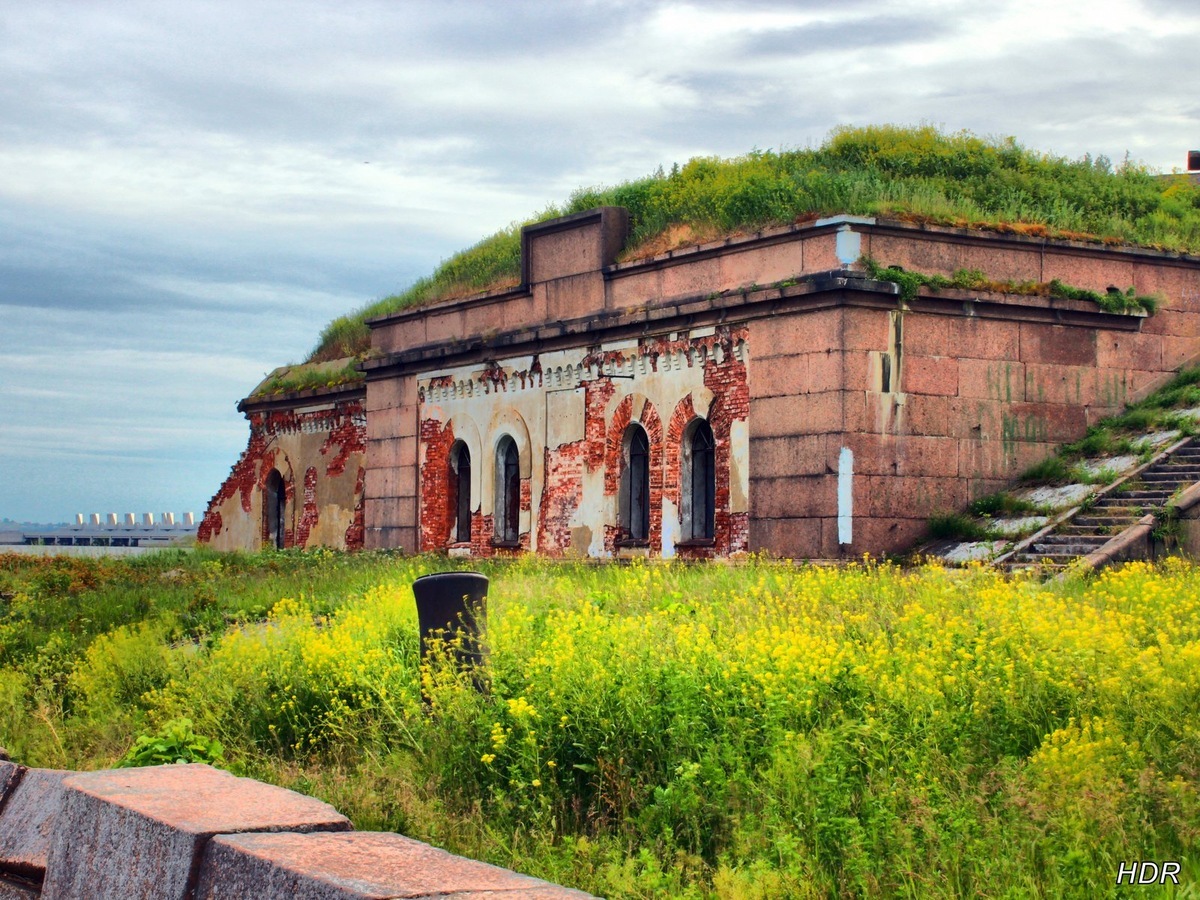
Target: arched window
460,491
508,491
635,485
274,507
699,482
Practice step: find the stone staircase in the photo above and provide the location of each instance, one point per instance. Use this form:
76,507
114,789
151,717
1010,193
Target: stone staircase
1114,511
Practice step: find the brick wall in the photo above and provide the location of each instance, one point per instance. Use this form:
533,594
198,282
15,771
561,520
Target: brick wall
570,411
317,444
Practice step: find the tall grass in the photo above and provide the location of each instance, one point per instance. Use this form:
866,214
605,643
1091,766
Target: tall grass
921,173
689,731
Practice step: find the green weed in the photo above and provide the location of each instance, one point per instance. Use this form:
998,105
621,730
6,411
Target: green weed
1005,504
958,527
175,742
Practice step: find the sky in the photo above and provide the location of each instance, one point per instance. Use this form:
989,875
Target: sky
190,191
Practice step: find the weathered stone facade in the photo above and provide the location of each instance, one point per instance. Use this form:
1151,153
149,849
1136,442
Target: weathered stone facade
761,392
843,415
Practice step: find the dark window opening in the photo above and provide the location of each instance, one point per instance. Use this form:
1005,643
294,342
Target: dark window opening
508,491
460,486
274,508
635,493
702,486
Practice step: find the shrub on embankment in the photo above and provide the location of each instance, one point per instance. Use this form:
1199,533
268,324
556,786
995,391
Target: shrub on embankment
670,730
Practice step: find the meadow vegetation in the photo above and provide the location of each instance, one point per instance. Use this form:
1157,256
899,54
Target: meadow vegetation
920,174
654,730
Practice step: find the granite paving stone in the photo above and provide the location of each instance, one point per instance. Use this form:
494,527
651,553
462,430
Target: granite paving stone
27,820
355,866
125,834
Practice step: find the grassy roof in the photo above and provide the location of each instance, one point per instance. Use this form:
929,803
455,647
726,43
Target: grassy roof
916,173
310,376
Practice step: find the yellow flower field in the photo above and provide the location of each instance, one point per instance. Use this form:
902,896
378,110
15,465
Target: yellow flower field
762,730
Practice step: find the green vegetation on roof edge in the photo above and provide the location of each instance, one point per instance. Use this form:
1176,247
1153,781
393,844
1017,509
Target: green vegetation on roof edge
308,377
1112,301
921,174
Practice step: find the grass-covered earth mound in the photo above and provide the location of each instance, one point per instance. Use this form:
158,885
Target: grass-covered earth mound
919,174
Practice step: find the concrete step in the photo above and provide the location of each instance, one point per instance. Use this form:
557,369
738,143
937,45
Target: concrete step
1052,558
1167,473
1105,521
1056,540
1116,507
1019,565
1080,548
1159,494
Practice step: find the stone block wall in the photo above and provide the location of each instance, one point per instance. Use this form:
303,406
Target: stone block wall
863,413
191,832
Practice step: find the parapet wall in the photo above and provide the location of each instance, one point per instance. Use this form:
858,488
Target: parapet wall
192,831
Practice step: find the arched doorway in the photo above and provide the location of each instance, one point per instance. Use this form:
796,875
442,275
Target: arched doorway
274,508
460,489
635,485
508,492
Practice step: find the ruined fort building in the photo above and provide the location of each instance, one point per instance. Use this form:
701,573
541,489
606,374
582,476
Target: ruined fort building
756,393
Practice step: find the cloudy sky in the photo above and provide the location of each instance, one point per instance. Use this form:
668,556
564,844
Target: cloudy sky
190,191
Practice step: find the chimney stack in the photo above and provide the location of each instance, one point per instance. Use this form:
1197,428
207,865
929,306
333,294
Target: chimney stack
188,519
168,519
130,520
78,520
148,520
95,520
112,520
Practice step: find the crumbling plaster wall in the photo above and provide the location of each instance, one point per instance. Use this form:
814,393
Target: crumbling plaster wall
567,412
318,449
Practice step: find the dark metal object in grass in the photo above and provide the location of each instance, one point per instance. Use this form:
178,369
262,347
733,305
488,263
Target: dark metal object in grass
452,606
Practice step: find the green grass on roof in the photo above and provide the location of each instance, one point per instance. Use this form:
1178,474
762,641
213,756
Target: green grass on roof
920,173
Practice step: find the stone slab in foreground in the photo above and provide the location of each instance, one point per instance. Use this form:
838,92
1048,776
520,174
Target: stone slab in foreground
10,774
15,891
11,889
27,818
355,866
140,833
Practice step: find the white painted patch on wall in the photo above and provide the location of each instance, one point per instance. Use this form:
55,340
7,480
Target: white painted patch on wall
739,465
670,529
845,495
848,245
